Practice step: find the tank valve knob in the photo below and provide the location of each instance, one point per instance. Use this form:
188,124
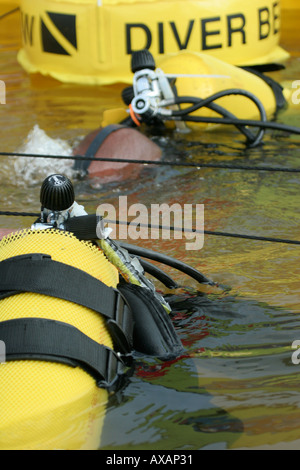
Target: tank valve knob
142,59
57,193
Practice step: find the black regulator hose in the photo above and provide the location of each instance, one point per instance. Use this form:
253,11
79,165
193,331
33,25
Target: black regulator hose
182,115
85,228
244,122
252,140
168,261
160,275
208,103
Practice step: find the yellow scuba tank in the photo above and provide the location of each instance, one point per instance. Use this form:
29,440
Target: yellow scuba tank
70,324
44,404
191,89
203,75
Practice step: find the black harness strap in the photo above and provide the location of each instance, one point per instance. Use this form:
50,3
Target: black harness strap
82,165
50,340
40,274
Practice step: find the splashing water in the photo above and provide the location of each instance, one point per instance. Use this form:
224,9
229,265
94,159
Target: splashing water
31,170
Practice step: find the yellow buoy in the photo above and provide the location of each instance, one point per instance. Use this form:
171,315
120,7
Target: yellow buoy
91,41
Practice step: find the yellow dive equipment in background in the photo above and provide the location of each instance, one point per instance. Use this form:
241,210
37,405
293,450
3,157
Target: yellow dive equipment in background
47,405
92,41
218,76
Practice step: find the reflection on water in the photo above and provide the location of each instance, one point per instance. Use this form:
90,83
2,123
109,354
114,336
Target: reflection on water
236,386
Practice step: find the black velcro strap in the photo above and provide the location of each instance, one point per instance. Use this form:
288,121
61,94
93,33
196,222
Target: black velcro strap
40,274
51,340
82,165
150,316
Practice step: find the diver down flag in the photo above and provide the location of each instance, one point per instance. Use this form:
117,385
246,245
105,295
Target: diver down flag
58,33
